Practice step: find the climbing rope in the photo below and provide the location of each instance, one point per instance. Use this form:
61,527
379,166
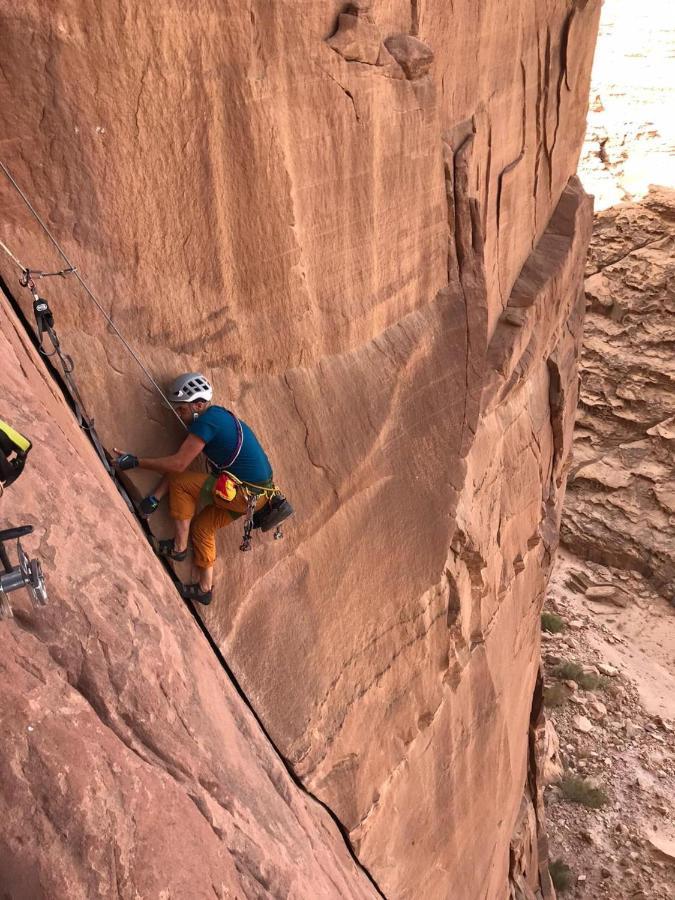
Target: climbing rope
44,320
11,256
73,270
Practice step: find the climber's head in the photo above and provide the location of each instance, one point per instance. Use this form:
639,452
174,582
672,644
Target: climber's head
190,394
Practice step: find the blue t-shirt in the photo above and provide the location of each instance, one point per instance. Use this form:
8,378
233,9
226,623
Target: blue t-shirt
217,428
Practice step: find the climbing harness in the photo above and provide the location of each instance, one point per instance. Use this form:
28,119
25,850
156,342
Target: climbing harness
227,486
14,450
269,516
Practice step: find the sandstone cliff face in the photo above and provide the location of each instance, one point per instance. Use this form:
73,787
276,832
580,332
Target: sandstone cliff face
375,252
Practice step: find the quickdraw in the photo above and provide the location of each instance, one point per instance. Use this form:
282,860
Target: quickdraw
248,522
28,274
45,330
269,516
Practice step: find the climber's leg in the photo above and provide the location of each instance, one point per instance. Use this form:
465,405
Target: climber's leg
162,488
184,490
204,529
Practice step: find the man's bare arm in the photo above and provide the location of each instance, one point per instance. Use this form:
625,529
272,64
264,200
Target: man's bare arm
188,451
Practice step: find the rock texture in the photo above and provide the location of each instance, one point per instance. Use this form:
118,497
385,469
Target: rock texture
620,507
130,766
360,220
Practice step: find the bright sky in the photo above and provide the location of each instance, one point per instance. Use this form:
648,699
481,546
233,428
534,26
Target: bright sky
634,80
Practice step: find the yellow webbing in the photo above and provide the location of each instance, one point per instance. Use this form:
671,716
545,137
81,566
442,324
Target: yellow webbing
21,443
257,488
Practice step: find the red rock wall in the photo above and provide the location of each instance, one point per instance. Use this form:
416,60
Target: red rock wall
267,194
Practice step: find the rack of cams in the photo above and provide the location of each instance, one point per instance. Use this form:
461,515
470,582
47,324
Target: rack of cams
27,574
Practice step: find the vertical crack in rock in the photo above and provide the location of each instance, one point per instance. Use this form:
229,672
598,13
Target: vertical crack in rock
141,88
324,469
546,91
344,90
414,17
562,78
506,171
526,855
488,173
540,125
466,268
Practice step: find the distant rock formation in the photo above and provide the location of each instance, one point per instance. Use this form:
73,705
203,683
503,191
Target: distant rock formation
620,507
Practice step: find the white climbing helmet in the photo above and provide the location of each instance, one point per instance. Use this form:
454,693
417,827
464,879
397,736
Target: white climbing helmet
189,387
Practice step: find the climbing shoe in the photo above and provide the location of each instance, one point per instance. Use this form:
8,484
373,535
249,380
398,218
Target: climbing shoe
195,593
166,548
147,506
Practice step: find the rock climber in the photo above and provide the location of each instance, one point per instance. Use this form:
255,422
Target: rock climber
228,444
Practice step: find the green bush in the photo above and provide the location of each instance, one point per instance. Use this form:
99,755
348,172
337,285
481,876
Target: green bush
561,875
571,671
555,695
552,623
579,791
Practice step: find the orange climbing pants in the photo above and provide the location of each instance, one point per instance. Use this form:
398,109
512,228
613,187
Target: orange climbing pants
184,491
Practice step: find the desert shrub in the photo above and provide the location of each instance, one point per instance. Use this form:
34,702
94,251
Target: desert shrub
552,623
571,671
561,875
555,695
579,791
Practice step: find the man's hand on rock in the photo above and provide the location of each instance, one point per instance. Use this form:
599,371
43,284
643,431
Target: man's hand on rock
124,461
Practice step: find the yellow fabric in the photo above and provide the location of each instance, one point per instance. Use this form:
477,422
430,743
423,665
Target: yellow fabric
184,491
225,488
19,441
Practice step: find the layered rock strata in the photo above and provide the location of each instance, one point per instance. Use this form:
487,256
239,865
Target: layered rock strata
620,507
359,222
